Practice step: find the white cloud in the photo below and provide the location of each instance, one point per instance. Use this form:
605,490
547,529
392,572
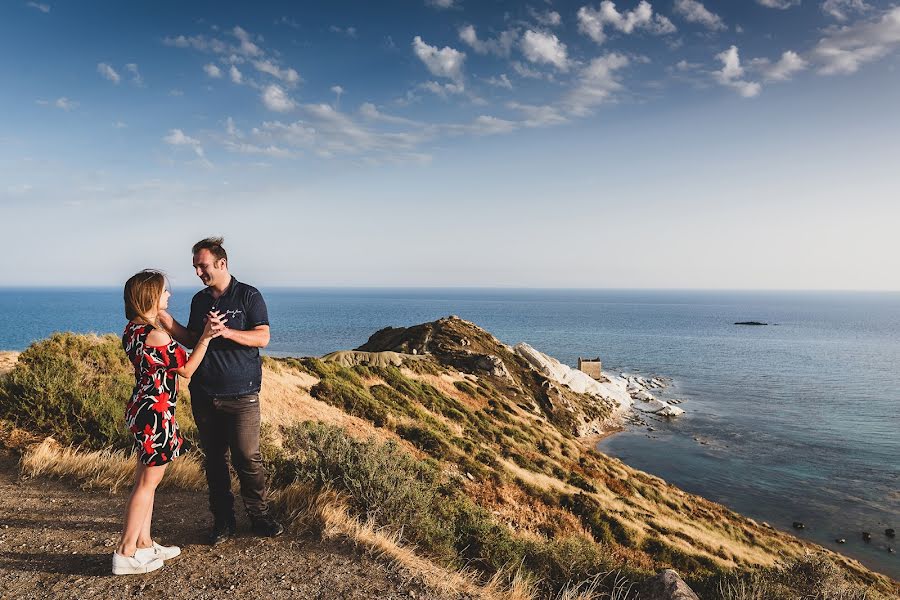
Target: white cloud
212,70
65,104
289,76
276,99
844,50
597,82
592,22
732,73
841,9
443,89
539,47
44,8
490,125
235,74
789,63
446,62
177,137
136,78
371,112
780,4
693,11
120,124
440,4
550,18
348,31
539,116
108,72
197,42
501,81
246,47
501,45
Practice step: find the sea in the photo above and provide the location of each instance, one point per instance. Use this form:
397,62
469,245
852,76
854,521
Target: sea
798,420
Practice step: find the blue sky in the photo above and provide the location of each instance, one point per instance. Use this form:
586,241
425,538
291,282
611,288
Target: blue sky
667,144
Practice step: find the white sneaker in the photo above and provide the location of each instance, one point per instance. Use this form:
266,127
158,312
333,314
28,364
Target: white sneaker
133,565
166,552
157,551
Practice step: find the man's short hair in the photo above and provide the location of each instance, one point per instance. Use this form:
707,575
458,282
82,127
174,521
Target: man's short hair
214,245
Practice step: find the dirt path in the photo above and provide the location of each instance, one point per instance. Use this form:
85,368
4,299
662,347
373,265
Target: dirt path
56,541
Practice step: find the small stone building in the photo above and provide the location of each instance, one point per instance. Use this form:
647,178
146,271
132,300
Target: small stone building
591,366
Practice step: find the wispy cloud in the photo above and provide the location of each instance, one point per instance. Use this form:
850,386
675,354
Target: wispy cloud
108,72
693,11
845,49
212,70
44,8
500,46
843,9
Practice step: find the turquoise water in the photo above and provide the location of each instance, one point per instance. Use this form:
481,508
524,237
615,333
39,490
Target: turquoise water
794,421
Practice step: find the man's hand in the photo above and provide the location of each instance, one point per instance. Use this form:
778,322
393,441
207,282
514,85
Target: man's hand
165,319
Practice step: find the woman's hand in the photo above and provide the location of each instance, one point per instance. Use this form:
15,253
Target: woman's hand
215,325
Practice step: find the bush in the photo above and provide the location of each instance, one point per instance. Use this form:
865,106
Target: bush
382,481
813,576
355,399
75,388
424,439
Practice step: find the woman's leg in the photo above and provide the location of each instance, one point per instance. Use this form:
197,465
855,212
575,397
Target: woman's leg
139,504
145,540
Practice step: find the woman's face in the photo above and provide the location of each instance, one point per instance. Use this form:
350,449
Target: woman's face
164,299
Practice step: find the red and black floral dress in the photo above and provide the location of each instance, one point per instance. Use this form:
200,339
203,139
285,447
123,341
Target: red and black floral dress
150,413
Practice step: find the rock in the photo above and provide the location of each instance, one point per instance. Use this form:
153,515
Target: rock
841,540
867,537
750,323
890,532
890,550
667,585
799,525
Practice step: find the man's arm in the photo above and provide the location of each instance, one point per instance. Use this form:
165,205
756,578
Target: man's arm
258,337
182,335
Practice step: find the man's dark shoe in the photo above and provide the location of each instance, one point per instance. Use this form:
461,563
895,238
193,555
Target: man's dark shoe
266,526
222,531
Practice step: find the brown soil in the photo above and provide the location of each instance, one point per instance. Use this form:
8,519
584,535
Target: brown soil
56,541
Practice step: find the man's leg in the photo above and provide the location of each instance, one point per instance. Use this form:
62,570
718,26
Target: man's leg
212,427
247,461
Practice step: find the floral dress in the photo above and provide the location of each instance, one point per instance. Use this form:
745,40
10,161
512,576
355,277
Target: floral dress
150,413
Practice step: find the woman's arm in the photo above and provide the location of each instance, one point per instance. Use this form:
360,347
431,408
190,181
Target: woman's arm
210,331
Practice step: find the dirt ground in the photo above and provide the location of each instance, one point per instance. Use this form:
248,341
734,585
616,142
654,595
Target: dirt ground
56,541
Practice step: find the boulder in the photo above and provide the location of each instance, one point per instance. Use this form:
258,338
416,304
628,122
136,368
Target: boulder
667,585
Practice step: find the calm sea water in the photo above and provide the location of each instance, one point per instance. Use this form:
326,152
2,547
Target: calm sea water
794,421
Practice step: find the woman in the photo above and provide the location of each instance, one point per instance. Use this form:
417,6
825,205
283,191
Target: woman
150,413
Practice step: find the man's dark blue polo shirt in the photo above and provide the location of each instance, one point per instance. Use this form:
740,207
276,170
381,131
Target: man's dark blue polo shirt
229,369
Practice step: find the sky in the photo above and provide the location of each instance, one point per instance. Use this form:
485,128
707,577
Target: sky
747,144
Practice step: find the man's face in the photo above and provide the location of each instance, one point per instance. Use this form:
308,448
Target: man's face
208,269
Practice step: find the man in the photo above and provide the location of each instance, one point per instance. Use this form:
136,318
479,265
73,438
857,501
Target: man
225,389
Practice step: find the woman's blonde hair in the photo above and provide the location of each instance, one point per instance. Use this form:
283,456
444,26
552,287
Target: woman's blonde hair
142,293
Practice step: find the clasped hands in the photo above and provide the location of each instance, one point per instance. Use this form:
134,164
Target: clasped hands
215,326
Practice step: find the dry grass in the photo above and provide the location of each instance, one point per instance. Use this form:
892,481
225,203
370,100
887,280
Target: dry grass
103,469
285,400
307,509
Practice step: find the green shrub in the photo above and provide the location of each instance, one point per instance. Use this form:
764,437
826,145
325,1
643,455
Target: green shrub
425,439
465,388
355,399
75,388
382,480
